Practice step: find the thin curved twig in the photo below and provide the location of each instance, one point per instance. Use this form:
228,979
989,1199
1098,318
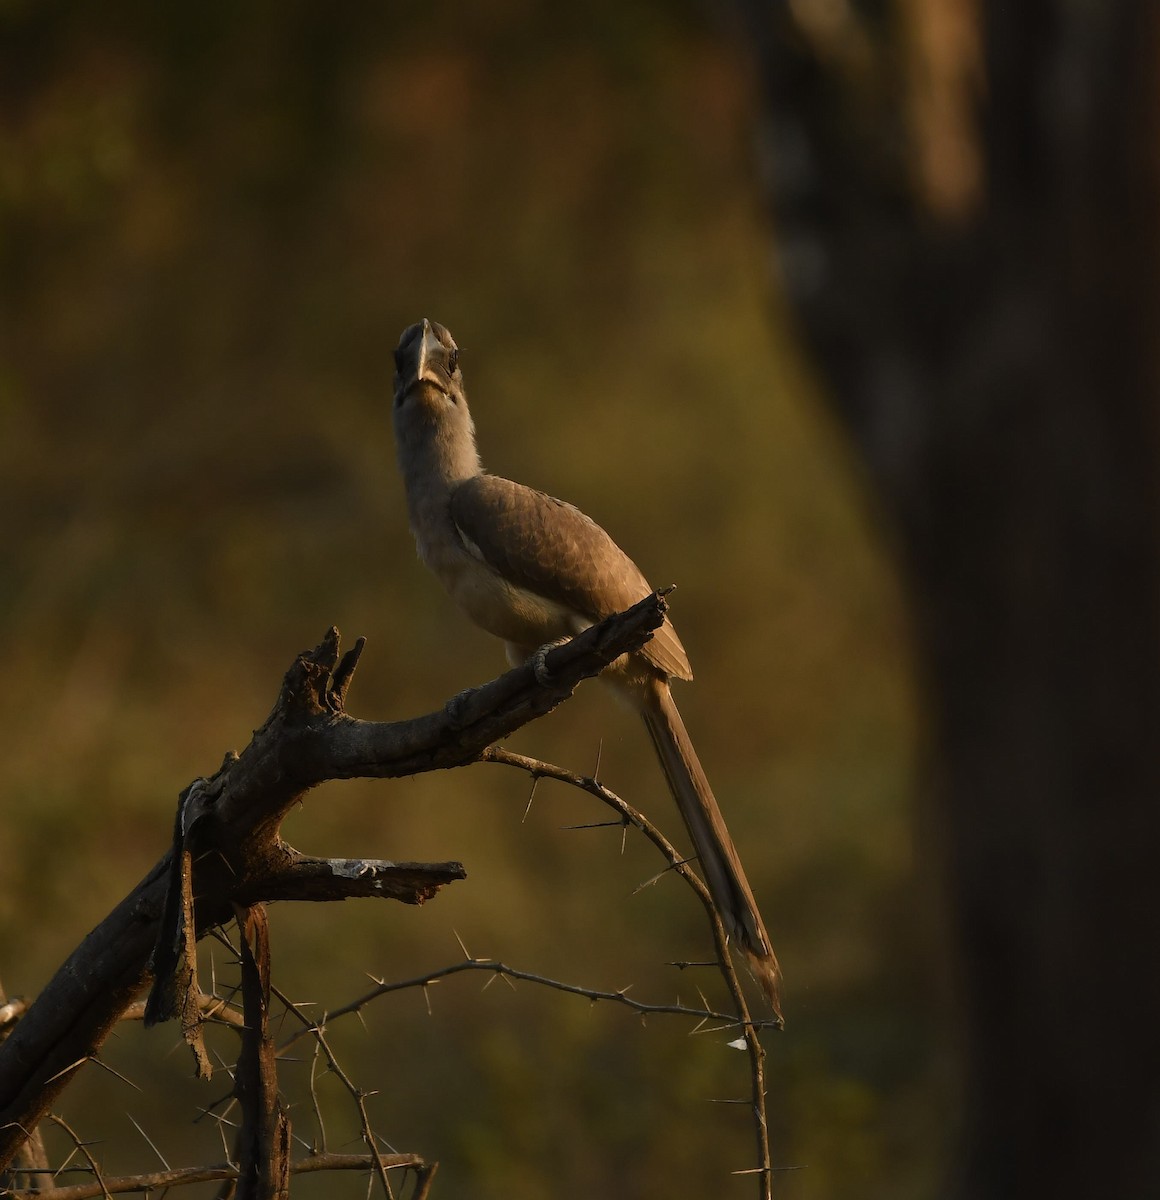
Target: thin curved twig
676,862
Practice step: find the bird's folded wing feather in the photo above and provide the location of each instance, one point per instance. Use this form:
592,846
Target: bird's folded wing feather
552,549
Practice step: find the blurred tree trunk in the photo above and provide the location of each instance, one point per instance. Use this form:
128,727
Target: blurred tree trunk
966,205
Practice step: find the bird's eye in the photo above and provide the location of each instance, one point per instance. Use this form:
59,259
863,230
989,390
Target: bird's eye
452,361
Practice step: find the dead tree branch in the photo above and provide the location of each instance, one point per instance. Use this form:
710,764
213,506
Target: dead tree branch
119,1184
264,1139
236,856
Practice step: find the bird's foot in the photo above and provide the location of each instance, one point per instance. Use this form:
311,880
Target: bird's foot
456,708
539,661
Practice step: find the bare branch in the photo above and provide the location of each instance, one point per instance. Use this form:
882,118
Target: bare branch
318,1032
264,1139
212,1008
344,672
227,1171
495,967
324,879
237,855
101,1186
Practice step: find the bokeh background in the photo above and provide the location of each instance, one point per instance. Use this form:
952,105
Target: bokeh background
214,222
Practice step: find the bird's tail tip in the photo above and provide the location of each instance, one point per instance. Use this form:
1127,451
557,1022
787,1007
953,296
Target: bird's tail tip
768,975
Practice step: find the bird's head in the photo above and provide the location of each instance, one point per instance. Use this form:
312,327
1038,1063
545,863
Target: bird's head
430,401
427,360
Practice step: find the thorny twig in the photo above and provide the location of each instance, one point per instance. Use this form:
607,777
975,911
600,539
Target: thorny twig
740,1019
630,815
317,1030
79,1144
494,966
119,1184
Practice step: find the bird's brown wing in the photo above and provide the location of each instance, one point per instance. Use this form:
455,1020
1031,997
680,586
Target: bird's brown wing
552,549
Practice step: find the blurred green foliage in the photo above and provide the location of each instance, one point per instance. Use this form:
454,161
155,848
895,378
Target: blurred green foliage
214,222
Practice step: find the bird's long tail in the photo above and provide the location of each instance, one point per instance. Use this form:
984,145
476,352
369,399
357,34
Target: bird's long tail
720,863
